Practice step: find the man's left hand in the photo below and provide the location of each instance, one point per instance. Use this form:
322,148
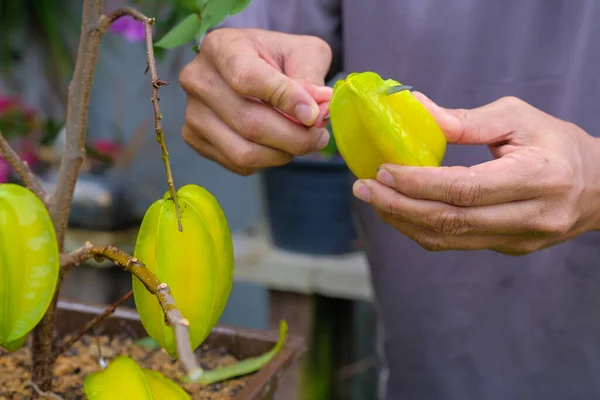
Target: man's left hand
542,188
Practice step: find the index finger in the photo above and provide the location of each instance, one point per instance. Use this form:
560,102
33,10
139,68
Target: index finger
250,75
495,182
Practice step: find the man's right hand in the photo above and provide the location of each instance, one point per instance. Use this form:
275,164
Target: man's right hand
239,87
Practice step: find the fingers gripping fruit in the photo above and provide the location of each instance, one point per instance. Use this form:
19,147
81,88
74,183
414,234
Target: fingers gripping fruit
29,263
196,263
372,127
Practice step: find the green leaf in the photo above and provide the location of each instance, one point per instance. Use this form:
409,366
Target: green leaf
246,366
201,3
215,11
147,343
239,6
187,5
182,33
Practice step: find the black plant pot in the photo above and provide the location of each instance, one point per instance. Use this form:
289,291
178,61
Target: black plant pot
309,206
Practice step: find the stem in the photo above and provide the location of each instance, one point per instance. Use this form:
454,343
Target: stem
66,345
160,137
22,168
44,394
74,258
77,110
156,84
181,326
161,290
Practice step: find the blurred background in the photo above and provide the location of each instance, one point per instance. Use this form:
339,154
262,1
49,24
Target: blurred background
297,254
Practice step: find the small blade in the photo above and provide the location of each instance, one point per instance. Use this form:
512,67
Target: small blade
399,88
392,90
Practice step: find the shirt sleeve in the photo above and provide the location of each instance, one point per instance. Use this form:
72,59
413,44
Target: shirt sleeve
321,18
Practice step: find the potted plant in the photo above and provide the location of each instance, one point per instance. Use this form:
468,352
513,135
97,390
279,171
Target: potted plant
308,207
182,271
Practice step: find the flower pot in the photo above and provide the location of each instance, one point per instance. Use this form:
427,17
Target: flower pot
308,206
238,342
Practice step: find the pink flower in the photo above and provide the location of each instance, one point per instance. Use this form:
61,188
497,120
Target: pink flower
7,103
133,30
107,147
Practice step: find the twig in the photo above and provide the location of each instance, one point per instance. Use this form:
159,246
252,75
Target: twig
162,292
108,311
22,168
101,359
156,84
42,393
121,12
160,137
77,112
74,258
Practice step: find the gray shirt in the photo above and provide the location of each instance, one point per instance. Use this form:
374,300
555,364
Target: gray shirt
474,325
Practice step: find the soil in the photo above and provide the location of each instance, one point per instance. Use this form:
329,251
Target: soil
85,357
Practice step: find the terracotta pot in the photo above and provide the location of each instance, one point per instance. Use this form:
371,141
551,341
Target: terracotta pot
243,343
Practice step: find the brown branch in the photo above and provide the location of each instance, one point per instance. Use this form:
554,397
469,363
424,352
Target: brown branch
108,311
22,168
162,292
93,26
77,111
74,258
160,138
156,84
80,89
121,12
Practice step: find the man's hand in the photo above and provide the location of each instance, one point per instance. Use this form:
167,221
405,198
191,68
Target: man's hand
256,98
542,188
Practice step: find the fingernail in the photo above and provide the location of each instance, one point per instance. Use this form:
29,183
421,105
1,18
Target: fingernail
323,140
385,177
361,191
306,114
425,100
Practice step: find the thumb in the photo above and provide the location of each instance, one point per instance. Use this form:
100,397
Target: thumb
483,125
308,63
322,95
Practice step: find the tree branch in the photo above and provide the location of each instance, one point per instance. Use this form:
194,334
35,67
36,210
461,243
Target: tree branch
72,339
22,168
60,208
80,89
74,258
93,25
161,290
156,84
121,12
